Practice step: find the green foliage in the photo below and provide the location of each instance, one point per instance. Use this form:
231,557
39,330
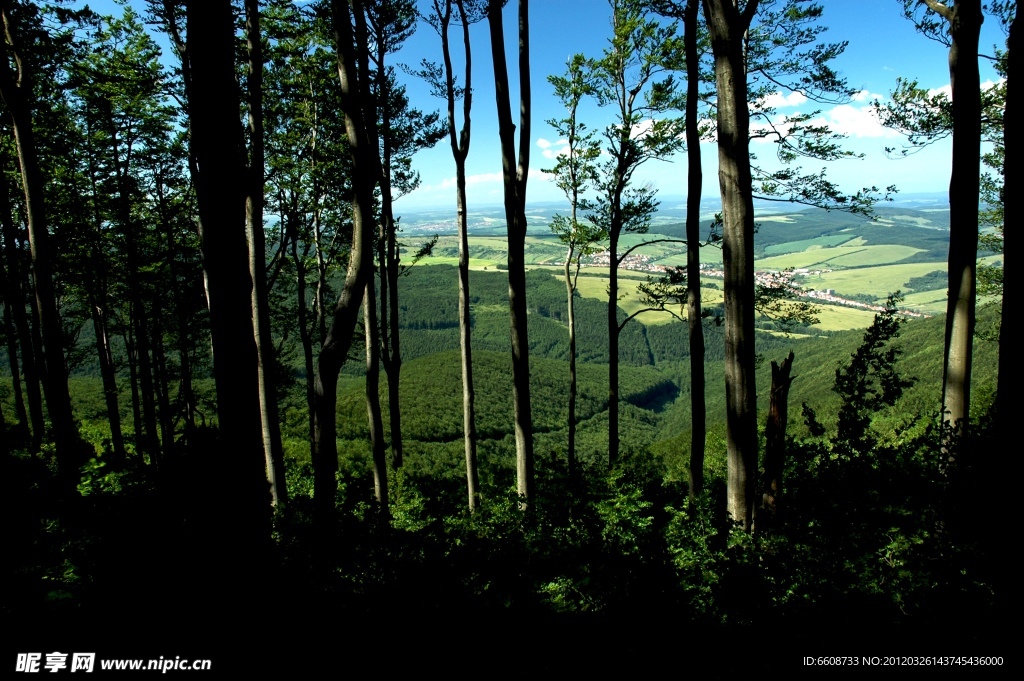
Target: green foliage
870,381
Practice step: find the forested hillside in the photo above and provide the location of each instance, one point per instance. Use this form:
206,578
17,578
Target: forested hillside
252,418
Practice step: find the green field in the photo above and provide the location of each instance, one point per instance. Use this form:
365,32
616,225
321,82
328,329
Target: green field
840,256
836,318
875,281
807,244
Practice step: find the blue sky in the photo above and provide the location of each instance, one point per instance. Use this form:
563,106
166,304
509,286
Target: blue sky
882,46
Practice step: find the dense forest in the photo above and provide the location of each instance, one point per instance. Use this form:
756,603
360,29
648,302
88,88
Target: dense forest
245,419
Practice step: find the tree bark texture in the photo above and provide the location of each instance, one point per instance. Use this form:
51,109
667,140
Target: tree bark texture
727,25
570,300
965,28
694,319
460,149
515,176
613,331
273,450
373,411
365,172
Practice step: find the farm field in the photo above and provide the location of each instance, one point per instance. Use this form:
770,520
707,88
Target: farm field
840,256
875,281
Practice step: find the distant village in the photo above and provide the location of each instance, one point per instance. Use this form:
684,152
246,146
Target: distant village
786,278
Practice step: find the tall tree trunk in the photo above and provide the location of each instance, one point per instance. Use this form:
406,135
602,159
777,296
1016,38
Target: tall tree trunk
163,398
570,295
728,25
305,336
469,433
108,376
133,383
149,444
393,346
16,88
219,171
387,256
460,149
15,323
694,319
12,354
613,342
515,176
1009,360
965,27
273,450
365,172
98,292
373,411
185,402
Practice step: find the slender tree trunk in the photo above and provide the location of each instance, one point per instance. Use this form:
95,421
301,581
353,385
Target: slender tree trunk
694,319
149,444
1009,360
365,172
515,177
108,375
16,92
302,316
613,344
163,398
393,347
728,25
12,356
98,292
185,402
271,427
570,294
460,149
14,313
965,28
373,411
133,383
388,261
465,343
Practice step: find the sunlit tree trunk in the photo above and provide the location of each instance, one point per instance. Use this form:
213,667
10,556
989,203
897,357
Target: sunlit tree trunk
965,18
373,411
727,25
515,176
271,427
694,184
365,172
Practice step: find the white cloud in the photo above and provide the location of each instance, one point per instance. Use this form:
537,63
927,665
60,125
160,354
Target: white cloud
551,150
778,100
855,121
845,119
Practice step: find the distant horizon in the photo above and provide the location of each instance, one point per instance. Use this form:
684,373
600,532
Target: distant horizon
669,203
